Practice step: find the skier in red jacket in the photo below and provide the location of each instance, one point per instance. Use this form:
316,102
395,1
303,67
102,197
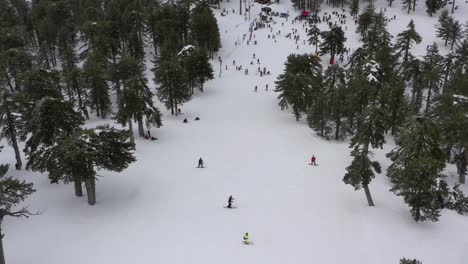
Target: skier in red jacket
312,160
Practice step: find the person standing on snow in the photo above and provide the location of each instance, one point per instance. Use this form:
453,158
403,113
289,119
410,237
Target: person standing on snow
230,201
200,163
312,160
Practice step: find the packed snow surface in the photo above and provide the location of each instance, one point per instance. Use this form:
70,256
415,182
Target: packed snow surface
164,210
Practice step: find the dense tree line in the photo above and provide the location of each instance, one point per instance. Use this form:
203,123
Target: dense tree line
384,89
62,61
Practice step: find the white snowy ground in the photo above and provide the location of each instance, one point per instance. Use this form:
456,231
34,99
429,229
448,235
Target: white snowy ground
164,210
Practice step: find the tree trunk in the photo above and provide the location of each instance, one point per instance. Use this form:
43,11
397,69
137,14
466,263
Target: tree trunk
97,108
78,187
2,255
130,129
9,82
141,129
428,101
171,100
91,190
337,129
19,163
462,176
453,6
368,195
14,142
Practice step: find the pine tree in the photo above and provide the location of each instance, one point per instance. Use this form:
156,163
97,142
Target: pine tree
432,73
366,19
406,39
299,83
42,82
408,5
455,33
314,36
450,111
152,20
11,122
443,28
77,157
328,112
410,261
418,161
95,71
433,6
205,30
50,119
372,116
457,200
198,68
173,87
354,8
412,74
136,101
333,42
12,193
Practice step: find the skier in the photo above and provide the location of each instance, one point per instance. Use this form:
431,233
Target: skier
185,120
230,200
200,163
246,238
266,88
312,160
255,90
197,118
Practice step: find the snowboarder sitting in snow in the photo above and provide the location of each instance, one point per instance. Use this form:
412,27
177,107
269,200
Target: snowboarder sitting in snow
246,238
185,120
148,136
200,163
312,160
197,118
230,200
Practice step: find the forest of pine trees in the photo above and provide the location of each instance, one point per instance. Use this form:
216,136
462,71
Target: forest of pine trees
385,90
63,61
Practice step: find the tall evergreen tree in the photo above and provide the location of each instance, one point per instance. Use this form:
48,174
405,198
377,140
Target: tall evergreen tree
443,28
12,193
417,165
11,122
79,156
171,77
95,78
433,6
136,101
198,68
432,73
329,109
371,126
314,36
205,30
51,118
333,42
406,39
299,83
455,33
354,8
